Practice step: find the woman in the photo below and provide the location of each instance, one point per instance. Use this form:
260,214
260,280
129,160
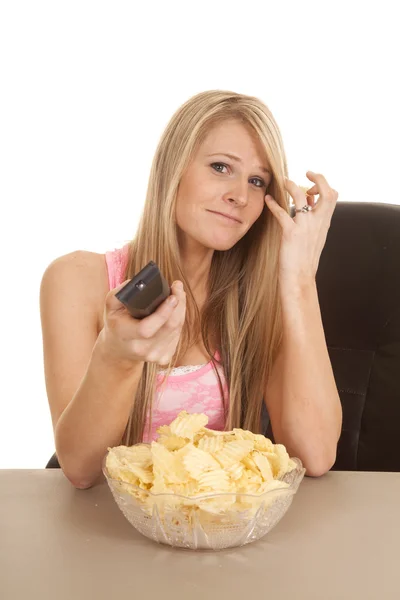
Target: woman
244,293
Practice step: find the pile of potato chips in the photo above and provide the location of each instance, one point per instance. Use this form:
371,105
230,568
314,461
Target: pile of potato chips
192,466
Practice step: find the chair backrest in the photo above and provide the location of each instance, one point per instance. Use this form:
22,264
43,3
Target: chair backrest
358,282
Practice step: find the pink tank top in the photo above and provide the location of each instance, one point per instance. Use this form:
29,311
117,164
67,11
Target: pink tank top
196,392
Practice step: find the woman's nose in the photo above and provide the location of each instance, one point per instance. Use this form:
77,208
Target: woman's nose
238,193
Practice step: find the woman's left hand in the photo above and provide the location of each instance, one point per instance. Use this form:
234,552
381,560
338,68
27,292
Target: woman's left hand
304,235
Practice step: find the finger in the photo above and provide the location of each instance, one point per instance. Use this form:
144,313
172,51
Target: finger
177,317
327,194
313,191
298,193
321,183
150,325
309,198
111,301
279,213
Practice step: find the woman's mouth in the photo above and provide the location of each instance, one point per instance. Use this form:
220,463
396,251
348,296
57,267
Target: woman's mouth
226,218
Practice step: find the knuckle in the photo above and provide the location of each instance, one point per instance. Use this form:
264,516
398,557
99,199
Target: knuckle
177,326
108,304
112,322
145,332
170,324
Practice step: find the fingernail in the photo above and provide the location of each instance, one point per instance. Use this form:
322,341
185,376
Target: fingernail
179,285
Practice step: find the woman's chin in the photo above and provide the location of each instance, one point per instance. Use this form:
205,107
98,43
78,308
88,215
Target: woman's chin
221,244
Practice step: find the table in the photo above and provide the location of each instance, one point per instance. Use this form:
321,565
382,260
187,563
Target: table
339,540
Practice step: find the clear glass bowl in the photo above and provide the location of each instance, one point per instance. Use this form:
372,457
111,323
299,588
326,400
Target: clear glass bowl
187,522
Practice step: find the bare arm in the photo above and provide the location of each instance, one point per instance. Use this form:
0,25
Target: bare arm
94,353
301,396
96,417
90,395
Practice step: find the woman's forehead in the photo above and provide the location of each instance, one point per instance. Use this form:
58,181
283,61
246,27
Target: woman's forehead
235,140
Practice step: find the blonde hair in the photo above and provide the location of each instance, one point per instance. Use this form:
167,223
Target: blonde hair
243,310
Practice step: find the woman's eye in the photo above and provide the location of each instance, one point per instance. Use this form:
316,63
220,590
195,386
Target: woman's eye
217,165
260,182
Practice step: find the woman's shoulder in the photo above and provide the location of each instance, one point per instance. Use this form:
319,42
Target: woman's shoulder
80,264
103,271
80,274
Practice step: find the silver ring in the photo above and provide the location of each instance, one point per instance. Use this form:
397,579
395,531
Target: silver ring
307,208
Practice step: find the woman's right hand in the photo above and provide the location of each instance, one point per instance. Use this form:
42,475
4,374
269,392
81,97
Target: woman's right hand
152,339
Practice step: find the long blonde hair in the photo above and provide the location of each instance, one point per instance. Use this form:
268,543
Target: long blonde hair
243,310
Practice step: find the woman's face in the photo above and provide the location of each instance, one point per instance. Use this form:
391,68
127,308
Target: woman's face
216,182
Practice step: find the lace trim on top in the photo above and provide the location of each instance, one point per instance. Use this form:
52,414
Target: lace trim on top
183,370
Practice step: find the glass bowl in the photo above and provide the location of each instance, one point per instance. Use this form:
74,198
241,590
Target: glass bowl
197,522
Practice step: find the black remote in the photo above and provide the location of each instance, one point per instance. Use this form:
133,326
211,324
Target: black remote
144,292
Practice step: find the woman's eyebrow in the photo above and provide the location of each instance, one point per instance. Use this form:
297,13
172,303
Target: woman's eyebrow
237,159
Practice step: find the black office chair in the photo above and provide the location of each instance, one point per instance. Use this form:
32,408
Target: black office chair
358,284
53,462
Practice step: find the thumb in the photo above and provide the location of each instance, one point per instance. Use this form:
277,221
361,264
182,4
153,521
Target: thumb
113,302
120,286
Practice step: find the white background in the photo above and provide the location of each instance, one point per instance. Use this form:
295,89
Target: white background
86,90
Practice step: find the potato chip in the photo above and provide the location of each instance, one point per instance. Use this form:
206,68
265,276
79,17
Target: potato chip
125,475
189,461
189,489
279,460
211,444
187,425
172,442
250,464
160,487
216,505
216,480
274,484
118,470
263,444
253,477
113,463
233,452
212,432
243,434
235,471
263,464
143,474
181,453
140,454
164,430
245,486
166,465
198,461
